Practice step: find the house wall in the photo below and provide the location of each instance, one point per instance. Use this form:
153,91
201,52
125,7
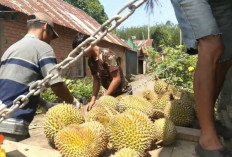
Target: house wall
14,28
131,63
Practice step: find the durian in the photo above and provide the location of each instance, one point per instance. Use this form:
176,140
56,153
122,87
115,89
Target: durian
149,94
131,129
85,140
160,86
126,152
165,131
101,114
158,114
120,97
59,116
136,102
163,100
188,98
107,101
180,113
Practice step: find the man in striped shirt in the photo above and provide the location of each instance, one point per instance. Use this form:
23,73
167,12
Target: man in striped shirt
23,63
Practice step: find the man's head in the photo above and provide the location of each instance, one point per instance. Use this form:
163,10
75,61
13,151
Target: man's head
41,25
79,38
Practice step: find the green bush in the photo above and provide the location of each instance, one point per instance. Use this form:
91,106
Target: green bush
81,88
178,73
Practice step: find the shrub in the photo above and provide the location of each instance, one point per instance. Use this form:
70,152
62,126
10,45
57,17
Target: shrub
80,89
178,73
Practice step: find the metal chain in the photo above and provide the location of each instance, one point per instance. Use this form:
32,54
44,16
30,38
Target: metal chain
151,79
37,87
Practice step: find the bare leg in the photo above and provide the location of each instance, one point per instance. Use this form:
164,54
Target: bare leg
210,49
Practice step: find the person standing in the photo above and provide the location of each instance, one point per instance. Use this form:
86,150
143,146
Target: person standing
207,31
28,60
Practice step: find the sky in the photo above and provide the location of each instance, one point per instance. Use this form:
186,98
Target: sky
162,13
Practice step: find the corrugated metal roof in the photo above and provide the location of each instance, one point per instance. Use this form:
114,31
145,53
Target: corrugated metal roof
143,43
63,14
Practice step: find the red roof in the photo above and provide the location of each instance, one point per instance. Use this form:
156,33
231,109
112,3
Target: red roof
143,43
63,14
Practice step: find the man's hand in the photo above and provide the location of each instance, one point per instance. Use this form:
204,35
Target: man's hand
47,105
76,103
90,105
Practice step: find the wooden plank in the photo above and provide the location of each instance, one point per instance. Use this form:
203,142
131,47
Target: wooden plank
38,140
162,152
184,149
14,149
188,134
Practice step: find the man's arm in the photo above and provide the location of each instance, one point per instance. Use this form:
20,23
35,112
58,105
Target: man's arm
114,83
62,92
96,87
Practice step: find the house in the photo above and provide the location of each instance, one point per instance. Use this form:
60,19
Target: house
142,47
68,21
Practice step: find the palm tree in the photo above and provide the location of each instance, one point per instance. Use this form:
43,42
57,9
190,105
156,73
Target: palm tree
149,8
150,5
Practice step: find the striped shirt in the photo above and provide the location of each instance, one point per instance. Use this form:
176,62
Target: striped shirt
23,63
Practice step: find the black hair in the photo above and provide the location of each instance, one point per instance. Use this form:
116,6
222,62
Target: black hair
49,29
34,24
39,24
79,38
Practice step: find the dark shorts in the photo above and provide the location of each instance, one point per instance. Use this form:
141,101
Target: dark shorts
14,137
201,18
126,90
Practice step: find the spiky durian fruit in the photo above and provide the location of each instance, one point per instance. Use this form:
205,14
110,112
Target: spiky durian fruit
150,95
180,113
167,96
165,131
162,101
158,114
59,116
136,102
107,101
126,152
172,89
101,114
120,97
131,129
160,86
85,140
188,98
143,118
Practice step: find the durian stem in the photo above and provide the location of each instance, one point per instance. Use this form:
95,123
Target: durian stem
59,121
156,76
159,142
158,111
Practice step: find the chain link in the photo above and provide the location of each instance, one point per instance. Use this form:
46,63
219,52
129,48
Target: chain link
37,87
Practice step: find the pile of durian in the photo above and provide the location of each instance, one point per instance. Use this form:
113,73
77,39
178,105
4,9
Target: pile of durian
127,125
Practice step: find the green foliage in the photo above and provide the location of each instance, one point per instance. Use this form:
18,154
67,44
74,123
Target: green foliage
127,33
167,34
180,73
92,8
81,88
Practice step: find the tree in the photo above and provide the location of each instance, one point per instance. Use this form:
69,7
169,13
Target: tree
92,8
167,34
